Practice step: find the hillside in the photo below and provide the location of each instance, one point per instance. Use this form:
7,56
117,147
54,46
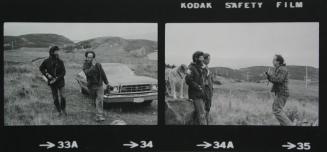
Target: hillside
35,40
138,47
254,72
295,72
228,72
135,47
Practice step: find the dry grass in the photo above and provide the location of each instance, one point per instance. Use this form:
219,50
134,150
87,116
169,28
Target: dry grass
28,100
247,103
251,104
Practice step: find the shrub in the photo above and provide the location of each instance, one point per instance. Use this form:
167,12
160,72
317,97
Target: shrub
17,69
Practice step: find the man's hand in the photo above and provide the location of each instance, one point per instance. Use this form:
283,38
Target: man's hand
109,87
202,91
49,76
94,62
53,80
266,74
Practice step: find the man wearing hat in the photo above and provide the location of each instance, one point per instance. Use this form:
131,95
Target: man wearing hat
53,69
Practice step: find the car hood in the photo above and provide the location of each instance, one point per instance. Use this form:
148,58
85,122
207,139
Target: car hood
130,80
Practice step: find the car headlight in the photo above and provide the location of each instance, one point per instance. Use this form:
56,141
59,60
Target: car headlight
111,89
154,87
115,89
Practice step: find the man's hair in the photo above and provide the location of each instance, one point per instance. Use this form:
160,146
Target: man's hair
53,49
280,59
196,55
87,52
206,55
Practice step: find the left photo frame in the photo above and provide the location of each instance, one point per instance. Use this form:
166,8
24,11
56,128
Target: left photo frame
80,73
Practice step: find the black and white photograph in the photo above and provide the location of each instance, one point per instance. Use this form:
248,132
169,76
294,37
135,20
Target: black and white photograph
80,73
261,74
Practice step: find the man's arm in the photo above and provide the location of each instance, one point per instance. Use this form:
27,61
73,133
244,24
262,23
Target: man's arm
189,79
42,68
211,78
103,74
44,71
62,71
279,77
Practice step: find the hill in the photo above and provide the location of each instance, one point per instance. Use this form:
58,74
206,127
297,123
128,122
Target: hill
228,73
35,40
295,72
138,47
254,73
133,53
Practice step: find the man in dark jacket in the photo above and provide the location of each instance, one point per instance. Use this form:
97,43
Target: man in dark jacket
208,85
195,81
279,79
53,69
95,77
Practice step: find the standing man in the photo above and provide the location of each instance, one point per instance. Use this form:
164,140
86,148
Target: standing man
53,69
208,85
95,77
195,81
279,79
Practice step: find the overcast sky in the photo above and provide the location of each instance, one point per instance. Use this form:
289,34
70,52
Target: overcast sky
84,31
239,45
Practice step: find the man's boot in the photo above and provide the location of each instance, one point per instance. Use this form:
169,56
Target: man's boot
63,106
56,103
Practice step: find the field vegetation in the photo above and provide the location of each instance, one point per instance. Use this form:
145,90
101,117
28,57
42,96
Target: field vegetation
28,100
250,103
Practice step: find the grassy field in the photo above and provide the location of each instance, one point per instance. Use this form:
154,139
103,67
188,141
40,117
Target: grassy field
28,100
248,103
251,104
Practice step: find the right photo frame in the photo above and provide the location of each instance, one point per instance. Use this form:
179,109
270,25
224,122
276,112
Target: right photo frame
261,74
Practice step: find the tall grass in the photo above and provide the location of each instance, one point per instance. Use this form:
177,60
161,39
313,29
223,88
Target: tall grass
28,99
250,105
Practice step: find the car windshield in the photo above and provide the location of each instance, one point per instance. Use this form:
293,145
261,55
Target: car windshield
117,69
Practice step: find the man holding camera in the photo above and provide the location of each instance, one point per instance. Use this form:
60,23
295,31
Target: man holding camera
53,69
95,77
279,79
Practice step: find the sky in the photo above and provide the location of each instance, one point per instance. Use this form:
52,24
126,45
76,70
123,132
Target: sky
240,45
83,31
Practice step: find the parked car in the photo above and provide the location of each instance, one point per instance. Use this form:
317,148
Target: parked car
125,85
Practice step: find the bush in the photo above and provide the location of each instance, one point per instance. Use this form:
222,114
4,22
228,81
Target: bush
17,69
217,82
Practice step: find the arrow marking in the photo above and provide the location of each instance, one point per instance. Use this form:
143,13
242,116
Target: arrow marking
48,145
204,145
289,145
131,144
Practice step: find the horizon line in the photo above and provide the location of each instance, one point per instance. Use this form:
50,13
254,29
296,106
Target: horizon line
87,38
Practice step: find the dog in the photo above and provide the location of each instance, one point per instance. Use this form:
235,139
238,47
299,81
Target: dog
174,77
